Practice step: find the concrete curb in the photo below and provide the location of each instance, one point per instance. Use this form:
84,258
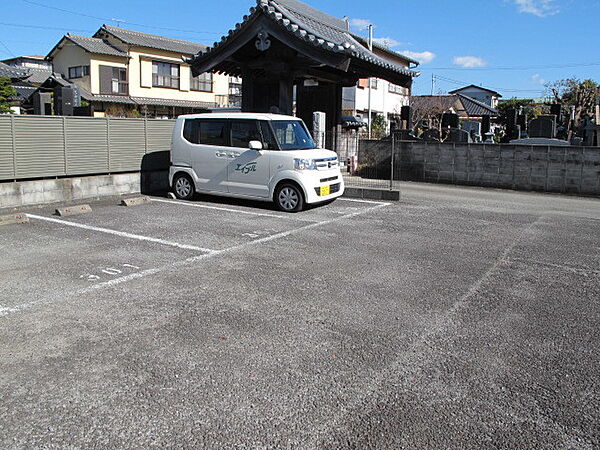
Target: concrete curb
73,210
136,201
13,219
372,194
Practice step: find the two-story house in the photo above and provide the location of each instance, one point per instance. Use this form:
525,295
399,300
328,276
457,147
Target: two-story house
481,94
129,73
387,99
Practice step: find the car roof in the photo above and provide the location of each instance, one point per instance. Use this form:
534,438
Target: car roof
238,115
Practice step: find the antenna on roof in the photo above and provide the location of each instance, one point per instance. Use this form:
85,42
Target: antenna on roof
118,21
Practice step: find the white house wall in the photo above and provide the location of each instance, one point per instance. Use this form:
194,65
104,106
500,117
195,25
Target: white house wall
382,100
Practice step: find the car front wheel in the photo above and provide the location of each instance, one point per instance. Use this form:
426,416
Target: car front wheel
289,198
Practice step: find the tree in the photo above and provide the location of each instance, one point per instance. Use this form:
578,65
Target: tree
379,126
427,113
581,96
522,106
7,94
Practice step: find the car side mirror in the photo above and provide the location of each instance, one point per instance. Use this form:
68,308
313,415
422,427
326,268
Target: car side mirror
256,145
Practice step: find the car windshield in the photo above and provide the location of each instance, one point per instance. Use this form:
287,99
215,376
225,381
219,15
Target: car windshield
292,135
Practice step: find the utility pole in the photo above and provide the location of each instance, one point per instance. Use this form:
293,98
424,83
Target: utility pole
370,81
433,80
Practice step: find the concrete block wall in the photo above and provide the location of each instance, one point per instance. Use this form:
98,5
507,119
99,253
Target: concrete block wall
36,192
573,170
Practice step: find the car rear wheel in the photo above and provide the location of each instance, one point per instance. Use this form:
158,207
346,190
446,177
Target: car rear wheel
289,198
183,186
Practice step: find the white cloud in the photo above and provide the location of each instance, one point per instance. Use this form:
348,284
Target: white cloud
388,42
422,57
540,8
360,24
538,79
469,61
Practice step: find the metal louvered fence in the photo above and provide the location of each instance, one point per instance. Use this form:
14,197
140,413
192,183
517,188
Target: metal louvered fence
52,146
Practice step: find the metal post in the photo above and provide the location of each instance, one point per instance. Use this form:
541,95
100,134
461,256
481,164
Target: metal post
14,146
64,126
108,142
392,161
146,136
370,83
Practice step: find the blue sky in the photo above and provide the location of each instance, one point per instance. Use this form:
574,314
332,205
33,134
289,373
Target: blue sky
460,42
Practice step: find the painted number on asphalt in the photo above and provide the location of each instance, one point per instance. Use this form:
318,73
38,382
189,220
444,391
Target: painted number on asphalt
110,272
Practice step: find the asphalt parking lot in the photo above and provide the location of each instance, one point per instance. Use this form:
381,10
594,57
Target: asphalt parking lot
455,318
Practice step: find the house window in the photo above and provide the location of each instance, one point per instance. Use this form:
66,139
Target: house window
374,83
235,92
119,81
395,89
165,75
78,72
202,83
113,80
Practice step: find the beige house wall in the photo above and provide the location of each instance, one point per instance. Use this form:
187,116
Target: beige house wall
139,73
140,76
101,60
72,55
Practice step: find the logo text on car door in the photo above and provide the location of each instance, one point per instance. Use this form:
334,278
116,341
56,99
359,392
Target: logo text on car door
246,168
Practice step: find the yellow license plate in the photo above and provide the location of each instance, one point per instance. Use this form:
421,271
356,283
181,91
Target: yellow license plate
325,191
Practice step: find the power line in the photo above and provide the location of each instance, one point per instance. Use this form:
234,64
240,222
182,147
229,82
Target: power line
106,20
554,66
42,27
8,49
462,83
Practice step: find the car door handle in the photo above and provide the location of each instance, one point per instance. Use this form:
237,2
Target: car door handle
221,155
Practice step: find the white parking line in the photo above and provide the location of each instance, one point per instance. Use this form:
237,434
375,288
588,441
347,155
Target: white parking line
356,200
209,254
236,248
122,234
219,208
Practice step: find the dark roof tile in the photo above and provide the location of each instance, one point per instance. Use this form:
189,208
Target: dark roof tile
124,99
91,45
140,39
13,73
476,108
457,91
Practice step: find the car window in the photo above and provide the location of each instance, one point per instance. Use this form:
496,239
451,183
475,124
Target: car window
190,131
206,132
268,140
244,131
212,132
292,135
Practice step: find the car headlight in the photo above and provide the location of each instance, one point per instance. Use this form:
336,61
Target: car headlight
305,164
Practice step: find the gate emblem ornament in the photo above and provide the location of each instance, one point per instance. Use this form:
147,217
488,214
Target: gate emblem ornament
263,43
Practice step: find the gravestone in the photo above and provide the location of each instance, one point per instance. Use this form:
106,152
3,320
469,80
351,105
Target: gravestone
450,120
458,136
543,127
